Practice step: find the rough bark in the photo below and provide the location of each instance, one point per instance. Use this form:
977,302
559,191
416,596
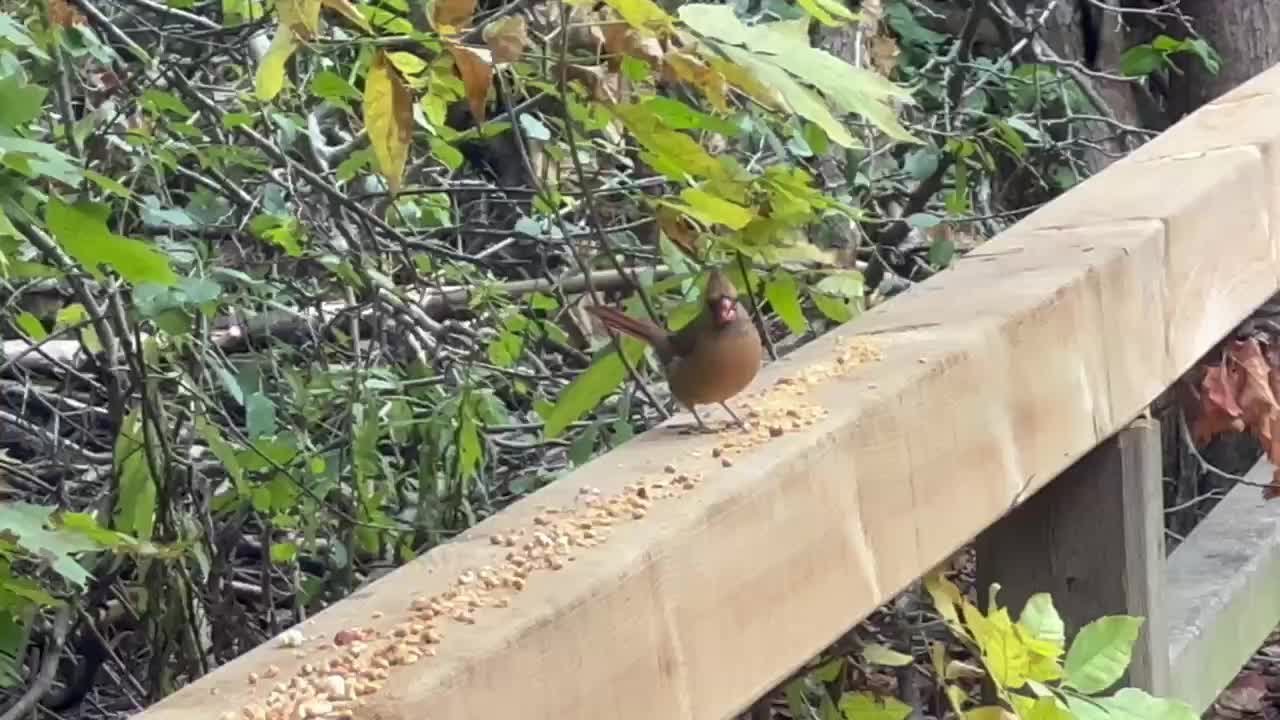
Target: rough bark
1246,33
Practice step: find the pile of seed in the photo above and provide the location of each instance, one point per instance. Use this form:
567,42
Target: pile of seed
362,657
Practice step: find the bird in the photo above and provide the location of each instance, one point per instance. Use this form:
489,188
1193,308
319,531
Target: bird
709,360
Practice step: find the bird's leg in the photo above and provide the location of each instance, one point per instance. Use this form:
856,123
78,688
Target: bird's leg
733,415
698,418
702,427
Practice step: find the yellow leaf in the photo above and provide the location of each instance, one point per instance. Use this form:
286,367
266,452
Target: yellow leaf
957,670
671,153
450,16
270,77
301,16
945,596
938,657
828,12
643,14
507,38
407,63
745,81
349,11
1003,653
388,117
1043,669
475,67
990,712
697,73
709,209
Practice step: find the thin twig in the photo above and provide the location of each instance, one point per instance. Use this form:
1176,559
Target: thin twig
48,666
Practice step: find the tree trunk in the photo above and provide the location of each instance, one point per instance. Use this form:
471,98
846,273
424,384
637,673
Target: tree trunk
1246,33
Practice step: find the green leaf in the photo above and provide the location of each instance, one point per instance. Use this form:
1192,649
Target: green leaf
270,78
37,159
31,325
111,185
783,294
849,284
13,31
27,524
260,416
161,101
878,654
865,706
22,103
135,511
713,210
829,671
260,499
470,451
1136,704
1100,653
835,309
82,231
1042,708
1141,60
534,128
333,87
584,446
14,637
678,116
1041,620
86,525
942,251
801,100
588,389
785,45
283,553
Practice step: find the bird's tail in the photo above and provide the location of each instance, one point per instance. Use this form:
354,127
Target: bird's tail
635,327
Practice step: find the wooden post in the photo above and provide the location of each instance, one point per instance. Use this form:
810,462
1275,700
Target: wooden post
1094,539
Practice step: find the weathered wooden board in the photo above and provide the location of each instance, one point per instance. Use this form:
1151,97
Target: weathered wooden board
996,375
1224,591
1093,539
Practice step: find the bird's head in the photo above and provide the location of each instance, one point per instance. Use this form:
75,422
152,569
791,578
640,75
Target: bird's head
721,298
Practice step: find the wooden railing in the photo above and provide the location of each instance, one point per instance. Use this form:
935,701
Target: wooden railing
683,576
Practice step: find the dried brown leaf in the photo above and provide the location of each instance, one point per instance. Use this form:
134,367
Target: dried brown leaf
451,16
507,38
475,67
1218,411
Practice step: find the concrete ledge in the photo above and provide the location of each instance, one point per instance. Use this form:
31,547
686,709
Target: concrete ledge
994,377
1224,591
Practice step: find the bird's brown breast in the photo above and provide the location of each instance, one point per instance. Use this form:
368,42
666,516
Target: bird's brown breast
720,363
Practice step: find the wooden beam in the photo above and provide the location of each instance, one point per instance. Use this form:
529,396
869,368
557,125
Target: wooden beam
994,377
1094,539
1224,591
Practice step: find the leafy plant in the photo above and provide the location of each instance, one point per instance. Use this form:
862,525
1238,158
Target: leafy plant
1027,663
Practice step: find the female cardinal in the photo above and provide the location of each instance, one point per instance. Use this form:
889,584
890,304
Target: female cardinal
708,360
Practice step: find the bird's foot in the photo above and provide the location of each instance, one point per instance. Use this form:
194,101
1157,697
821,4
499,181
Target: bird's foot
734,415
